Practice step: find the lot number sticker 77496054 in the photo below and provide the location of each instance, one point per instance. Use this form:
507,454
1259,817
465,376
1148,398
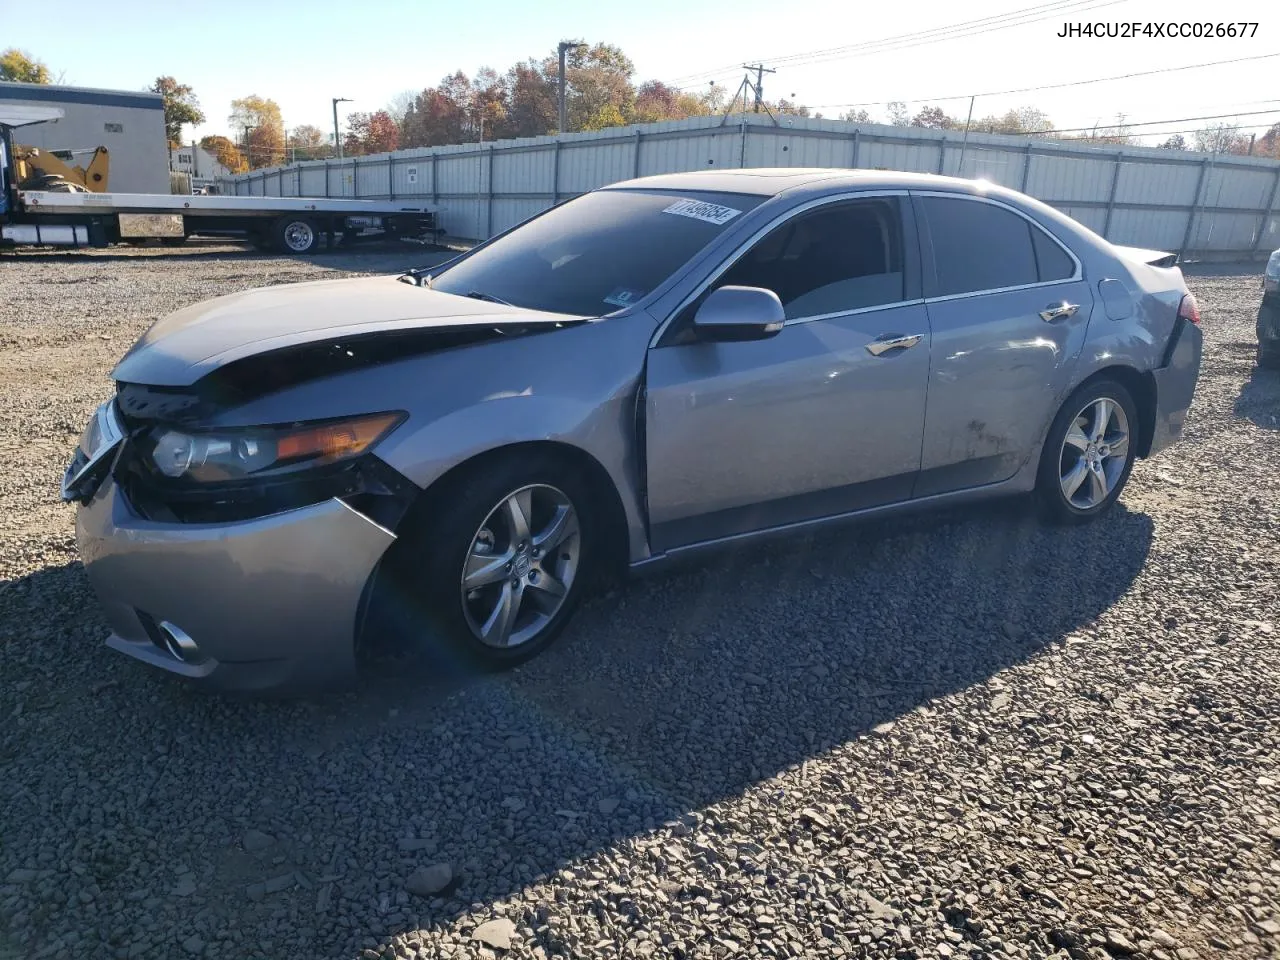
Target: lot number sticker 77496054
698,210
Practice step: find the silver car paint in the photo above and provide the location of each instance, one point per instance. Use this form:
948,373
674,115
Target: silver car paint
581,386
187,344
225,585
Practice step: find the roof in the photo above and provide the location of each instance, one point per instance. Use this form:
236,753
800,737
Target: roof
92,96
770,181
22,114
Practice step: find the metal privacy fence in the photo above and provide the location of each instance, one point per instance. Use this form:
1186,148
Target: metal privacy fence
1201,205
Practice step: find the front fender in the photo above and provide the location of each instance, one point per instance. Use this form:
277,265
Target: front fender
604,431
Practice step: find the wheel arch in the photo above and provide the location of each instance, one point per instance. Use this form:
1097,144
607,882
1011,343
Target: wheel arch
1142,387
615,537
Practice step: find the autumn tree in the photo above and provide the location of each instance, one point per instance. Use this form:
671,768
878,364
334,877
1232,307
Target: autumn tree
18,66
439,115
371,133
1175,142
1018,121
899,116
856,116
225,152
181,107
934,118
531,101
597,77
657,101
1221,138
1268,144
259,121
399,105
307,142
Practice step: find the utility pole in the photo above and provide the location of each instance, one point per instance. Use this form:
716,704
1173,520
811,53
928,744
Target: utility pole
561,49
964,141
760,70
337,139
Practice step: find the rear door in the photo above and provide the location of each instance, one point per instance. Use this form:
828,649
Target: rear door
1009,309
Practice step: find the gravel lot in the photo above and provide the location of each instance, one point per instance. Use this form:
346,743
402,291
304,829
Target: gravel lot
964,735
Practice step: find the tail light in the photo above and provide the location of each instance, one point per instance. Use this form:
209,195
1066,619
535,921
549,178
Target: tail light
1188,309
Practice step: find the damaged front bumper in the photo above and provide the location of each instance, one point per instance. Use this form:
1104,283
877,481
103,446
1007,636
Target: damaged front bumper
271,603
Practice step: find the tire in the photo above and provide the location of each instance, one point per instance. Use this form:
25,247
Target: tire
1067,460
1269,354
296,235
470,520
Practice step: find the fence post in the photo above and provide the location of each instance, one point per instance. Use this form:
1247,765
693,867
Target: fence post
1026,168
1266,212
488,203
326,177
355,179
942,153
555,173
1111,200
635,160
857,136
742,150
1195,206
435,183
391,176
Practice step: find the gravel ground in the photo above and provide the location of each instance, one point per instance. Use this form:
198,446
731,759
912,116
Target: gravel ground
962,735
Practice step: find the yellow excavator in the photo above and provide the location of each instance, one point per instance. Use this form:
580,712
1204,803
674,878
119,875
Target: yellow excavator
51,170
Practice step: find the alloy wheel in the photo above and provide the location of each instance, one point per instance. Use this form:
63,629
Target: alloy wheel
1094,453
520,566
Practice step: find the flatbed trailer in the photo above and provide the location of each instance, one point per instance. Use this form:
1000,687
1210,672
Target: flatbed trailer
289,224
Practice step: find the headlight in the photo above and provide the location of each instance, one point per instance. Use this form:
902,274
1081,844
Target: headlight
242,453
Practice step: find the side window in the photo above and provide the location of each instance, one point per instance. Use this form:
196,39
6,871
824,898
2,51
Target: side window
839,257
978,246
1051,260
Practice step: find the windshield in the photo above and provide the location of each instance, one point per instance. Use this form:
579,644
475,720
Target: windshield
598,253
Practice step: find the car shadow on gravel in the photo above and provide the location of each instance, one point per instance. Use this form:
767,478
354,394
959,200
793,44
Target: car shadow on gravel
1259,400
664,698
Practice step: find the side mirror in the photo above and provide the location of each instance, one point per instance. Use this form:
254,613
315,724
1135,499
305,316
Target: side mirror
732,314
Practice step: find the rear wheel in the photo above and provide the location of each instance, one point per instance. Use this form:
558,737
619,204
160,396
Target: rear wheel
1088,453
497,566
296,235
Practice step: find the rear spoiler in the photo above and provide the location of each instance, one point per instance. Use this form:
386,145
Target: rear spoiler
1152,258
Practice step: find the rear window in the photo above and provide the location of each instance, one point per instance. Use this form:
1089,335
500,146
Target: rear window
597,253
1051,260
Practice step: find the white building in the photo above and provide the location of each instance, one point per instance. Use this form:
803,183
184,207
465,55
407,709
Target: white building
197,161
130,125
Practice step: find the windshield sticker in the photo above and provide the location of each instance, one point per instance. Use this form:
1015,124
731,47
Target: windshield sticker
707,212
622,297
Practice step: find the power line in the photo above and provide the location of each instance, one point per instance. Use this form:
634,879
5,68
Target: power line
1119,128
1053,86
919,38
895,38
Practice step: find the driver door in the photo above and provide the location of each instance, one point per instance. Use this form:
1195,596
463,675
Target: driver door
821,419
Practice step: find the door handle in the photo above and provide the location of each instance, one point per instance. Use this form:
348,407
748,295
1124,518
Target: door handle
888,342
1057,311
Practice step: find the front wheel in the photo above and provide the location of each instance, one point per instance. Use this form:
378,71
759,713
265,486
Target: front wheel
1088,453
496,567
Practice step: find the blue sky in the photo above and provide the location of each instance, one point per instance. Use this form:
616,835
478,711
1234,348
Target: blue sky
303,53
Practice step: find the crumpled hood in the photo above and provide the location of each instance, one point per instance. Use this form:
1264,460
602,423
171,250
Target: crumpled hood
188,344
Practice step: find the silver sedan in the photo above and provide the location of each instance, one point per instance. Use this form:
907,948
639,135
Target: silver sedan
663,366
